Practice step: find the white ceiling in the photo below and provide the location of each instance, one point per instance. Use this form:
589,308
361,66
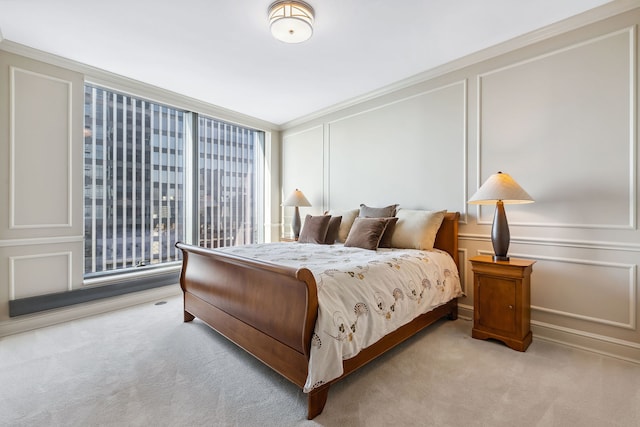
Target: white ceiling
221,51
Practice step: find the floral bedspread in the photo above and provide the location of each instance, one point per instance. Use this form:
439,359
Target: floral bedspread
362,294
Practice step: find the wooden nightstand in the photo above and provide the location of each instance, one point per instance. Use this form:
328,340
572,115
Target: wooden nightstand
502,300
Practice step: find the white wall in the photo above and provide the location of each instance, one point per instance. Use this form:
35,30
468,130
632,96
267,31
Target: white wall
41,191
41,180
560,115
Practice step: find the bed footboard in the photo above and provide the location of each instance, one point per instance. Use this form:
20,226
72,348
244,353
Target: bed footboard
269,310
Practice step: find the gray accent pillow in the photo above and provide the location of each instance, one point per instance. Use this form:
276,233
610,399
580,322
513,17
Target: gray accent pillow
314,229
385,241
333,230
366,233
346,223
370,212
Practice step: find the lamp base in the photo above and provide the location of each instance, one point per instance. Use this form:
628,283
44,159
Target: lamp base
295,223
500,235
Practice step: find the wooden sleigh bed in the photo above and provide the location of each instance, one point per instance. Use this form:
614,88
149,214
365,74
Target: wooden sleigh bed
270,310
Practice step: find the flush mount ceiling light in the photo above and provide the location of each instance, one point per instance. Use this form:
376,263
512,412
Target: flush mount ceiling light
291,21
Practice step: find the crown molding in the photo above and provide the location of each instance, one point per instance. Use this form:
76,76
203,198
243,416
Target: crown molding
125,84
600,13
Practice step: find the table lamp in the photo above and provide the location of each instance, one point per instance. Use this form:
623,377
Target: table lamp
500,189
296,199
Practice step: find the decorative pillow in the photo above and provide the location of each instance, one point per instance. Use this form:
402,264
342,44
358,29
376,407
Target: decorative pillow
416,229
346,223
366,233
387,211
314,229
332,230
385,241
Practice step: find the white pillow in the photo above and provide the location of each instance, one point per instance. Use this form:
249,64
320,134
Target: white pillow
416,229
347,221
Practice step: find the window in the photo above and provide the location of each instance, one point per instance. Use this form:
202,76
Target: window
228,159
134,179
134,188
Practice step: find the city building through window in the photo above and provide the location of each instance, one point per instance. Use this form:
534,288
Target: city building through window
135,186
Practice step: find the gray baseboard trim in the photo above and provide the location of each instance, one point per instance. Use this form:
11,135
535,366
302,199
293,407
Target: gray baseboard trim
22,306
43,319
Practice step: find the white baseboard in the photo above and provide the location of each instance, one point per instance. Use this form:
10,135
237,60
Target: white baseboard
51,317
606,346
465,311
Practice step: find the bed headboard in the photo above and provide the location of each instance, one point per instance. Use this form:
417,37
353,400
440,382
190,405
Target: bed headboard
447,237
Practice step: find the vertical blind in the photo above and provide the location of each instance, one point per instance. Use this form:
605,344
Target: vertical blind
228,180
134,178
134,167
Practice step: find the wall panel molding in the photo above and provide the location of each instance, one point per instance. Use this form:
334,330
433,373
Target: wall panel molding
14,264
631,290
303,167
326,167
22,128
632,299
462,270
402,137
545,123
578,244
40,241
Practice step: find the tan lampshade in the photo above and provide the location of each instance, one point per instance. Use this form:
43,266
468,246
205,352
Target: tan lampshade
296,199
500,187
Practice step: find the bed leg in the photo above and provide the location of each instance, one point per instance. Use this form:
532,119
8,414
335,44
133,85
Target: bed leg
453,314
317,400
188,317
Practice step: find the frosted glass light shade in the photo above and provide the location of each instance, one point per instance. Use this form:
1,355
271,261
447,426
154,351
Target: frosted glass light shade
291,21
500,187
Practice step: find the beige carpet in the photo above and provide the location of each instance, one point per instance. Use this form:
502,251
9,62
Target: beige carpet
144,367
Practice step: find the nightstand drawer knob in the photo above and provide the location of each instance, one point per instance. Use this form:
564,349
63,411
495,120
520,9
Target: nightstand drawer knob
510,307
